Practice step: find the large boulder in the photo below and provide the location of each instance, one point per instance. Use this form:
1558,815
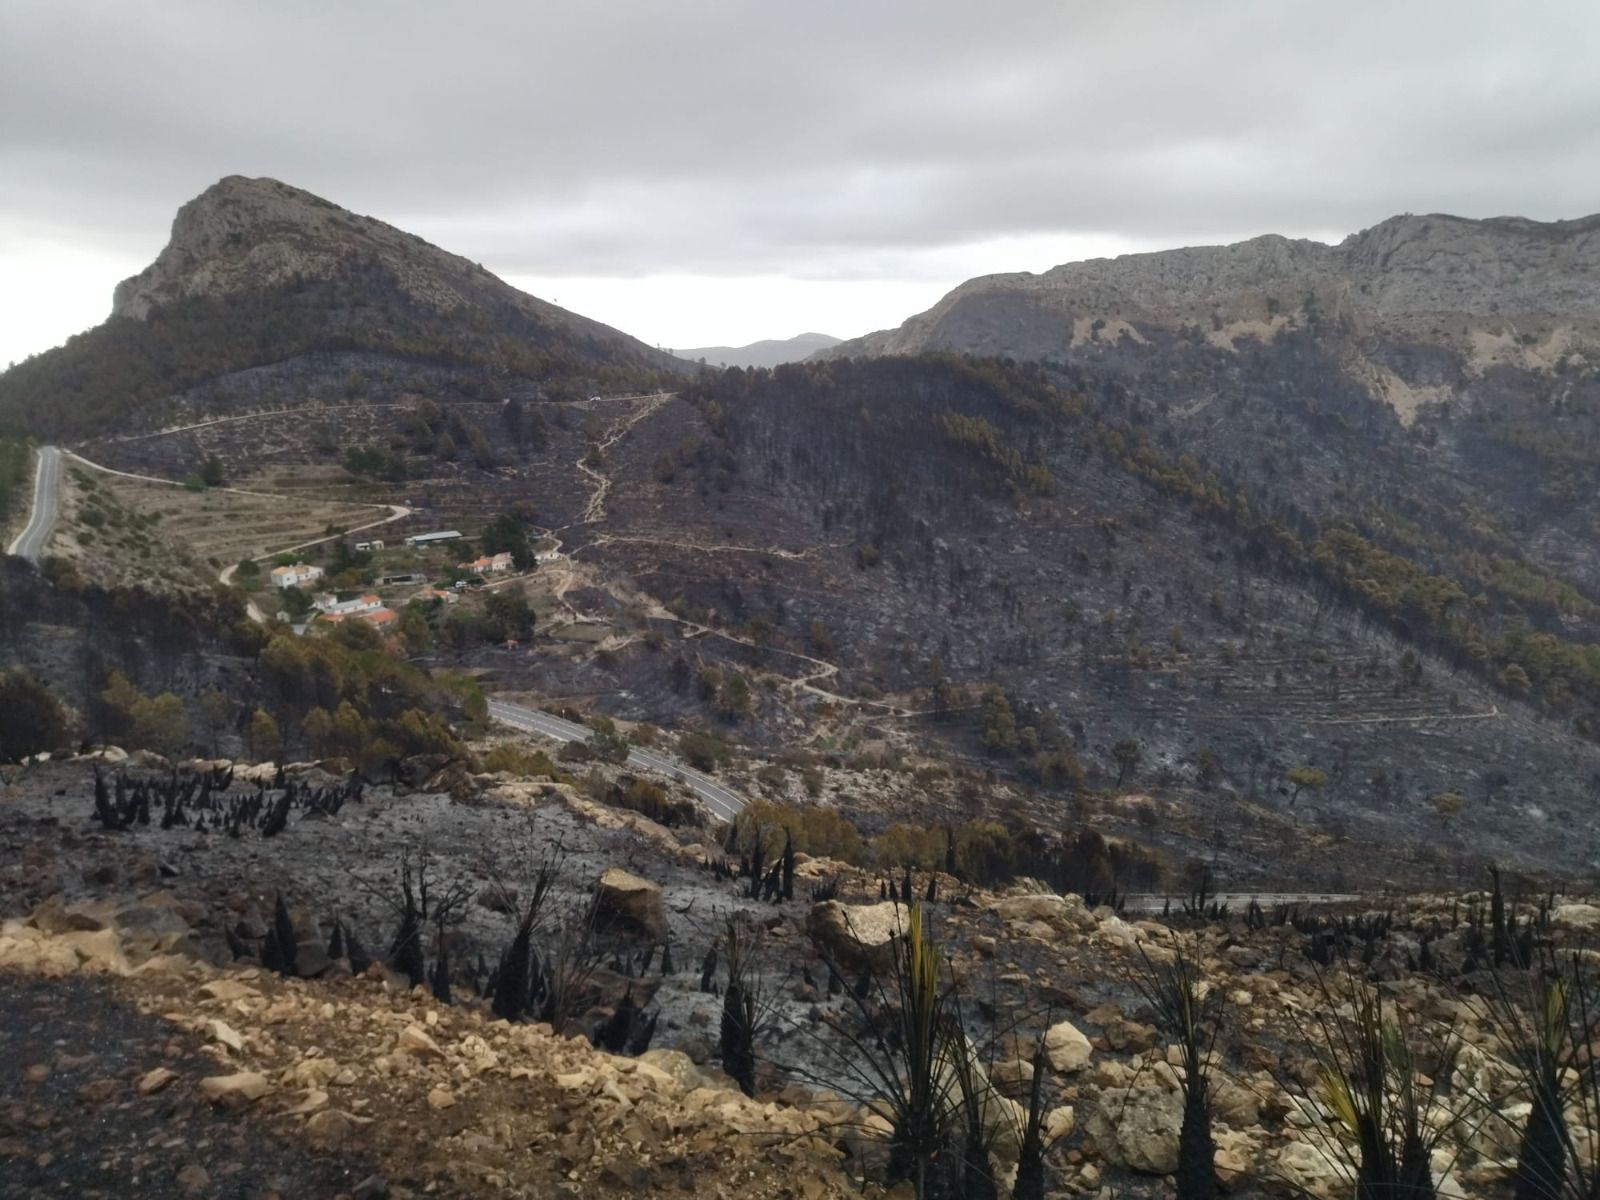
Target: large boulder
1066,1047
1137,1128
631,903
858,936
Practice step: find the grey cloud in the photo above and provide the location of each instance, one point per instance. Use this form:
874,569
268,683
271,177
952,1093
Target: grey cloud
572,137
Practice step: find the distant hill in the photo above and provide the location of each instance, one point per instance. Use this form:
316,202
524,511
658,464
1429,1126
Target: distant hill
267,293
769,353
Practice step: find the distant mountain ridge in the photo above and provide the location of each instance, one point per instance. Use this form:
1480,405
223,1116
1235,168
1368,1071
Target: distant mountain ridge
1484,293
268,293
768,353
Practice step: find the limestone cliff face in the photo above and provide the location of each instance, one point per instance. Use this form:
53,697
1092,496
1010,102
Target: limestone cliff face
1505,291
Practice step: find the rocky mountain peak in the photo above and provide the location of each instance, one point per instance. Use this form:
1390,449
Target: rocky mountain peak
243,233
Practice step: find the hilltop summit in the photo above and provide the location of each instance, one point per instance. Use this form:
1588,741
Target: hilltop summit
266,278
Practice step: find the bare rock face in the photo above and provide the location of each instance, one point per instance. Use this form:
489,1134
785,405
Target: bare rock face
243,233
632,902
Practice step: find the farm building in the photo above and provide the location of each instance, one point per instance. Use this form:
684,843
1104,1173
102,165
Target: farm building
332,607
487,564
433,539
295,575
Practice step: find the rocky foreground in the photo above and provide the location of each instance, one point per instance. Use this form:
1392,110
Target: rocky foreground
146,1048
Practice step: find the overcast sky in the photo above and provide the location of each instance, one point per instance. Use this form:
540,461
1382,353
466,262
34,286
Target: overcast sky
699,173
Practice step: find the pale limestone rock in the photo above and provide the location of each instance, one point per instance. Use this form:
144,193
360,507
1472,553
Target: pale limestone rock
1058,912
1576,918
224,1034
1138,1129
313,1101
1058,1123
1067,1048
415,1040
631,901
99,951
1311,1170
858,935
244,1087
152,1081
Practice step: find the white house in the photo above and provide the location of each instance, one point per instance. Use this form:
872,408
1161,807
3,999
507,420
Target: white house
332,607
295,575
364,547
487,563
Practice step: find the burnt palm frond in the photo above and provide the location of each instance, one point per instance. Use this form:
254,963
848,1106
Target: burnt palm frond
1367,1065
1551,1026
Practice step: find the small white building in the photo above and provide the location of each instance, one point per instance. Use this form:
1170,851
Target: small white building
331,606
295,575
368,547
489,563
547,556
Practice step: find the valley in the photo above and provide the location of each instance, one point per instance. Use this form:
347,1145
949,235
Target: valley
474,752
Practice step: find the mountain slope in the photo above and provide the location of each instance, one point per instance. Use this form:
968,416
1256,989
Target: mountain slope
1430,387
1476,295
269,294
771,352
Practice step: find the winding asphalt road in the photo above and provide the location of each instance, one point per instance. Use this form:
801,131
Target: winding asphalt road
30,543
723,803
